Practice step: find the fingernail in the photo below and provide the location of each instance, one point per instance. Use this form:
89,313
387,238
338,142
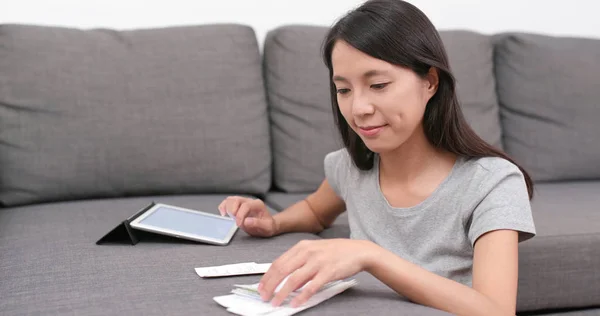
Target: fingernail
260,286
250,221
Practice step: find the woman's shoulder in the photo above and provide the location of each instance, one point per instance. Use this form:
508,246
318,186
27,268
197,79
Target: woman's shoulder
338,159
338,155
488,173
491,165
338,170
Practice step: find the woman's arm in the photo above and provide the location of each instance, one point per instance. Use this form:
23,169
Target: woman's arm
495,276
313,214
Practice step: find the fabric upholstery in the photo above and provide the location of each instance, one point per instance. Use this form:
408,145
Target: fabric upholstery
559,267
50,264
280,200
162,114
566,208
472,63
566,312
302,125
104,113
550,104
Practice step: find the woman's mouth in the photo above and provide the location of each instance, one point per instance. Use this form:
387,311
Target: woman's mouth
370,131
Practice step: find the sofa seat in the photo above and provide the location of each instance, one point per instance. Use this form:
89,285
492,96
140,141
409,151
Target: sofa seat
50,264
560,267
573,312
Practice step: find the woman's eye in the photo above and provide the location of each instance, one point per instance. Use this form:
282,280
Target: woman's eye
379,86
343,91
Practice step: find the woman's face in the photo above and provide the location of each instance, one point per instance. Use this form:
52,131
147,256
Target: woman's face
383,103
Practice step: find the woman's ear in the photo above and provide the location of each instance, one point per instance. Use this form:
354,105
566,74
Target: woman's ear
432,81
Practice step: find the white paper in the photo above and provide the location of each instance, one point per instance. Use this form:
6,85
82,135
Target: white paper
254,287
245,306
244,268
251,290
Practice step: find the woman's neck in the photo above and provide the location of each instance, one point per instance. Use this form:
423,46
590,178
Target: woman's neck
415,159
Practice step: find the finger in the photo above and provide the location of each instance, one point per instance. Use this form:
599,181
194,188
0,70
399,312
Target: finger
283,266
299,278
261,222
318,281
258,226
221,207
256,204
274,276
241,214
232,205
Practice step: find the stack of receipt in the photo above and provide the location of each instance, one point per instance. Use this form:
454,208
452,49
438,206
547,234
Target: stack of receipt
246,300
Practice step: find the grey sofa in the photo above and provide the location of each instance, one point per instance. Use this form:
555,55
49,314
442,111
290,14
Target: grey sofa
96,124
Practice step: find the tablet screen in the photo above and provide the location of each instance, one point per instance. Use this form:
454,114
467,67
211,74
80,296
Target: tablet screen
190,223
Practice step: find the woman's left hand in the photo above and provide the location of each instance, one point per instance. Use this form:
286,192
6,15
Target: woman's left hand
318,261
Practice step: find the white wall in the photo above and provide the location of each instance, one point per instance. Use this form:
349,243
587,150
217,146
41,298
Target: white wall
577,18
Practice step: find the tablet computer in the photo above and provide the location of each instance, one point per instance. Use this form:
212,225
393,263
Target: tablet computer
185,223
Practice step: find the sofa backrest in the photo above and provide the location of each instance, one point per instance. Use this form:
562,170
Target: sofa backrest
104,113
549,92
302,125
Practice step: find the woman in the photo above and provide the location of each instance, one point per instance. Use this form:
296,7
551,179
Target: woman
435,213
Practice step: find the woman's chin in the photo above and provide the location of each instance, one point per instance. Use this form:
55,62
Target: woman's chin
376,146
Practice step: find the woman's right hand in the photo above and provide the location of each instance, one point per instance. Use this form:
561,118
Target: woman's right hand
251,215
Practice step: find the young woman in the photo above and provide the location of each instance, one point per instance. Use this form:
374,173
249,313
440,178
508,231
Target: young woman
434,212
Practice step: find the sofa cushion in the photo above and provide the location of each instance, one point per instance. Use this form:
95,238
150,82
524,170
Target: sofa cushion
50,264
550,103
104,113
573,312
302,125
472,63
559,267
280,201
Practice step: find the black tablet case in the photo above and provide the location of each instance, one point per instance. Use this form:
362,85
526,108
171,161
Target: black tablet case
124,233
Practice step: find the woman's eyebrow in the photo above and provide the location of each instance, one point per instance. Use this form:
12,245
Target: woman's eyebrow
366,75
339,78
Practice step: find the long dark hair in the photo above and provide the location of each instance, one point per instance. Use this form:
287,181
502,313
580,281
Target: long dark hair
399,33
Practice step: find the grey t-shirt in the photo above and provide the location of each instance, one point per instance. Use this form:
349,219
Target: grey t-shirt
438,234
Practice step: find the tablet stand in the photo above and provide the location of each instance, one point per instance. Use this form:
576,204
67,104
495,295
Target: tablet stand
124,233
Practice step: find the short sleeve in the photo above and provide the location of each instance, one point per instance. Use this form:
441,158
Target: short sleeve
336,170
505,206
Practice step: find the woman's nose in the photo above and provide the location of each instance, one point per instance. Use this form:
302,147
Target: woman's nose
361,106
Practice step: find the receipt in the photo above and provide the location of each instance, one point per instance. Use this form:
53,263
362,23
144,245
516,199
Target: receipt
244,268
248,306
